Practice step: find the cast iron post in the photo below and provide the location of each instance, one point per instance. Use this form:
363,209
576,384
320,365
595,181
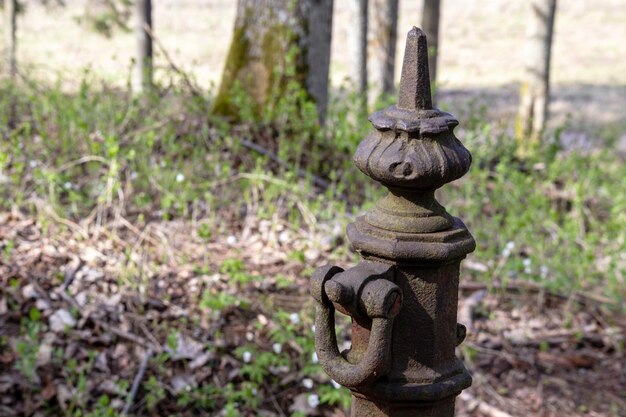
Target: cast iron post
403,296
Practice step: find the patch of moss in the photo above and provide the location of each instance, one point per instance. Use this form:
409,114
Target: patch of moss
238,55
274,48
263,79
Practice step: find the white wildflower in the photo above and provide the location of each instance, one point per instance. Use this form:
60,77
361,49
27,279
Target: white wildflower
508,248
277,348
133,175
294,318
284,236
32,163
247,356
313,400
307,383
527,262
335,384
314,357
180,177
67,185
231,240
543,271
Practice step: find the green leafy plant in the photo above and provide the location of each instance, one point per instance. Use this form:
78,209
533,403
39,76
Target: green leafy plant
335,395
28,344
154,392
219,301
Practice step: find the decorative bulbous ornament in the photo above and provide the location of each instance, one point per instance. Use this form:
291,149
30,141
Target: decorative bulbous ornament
412,151
413,160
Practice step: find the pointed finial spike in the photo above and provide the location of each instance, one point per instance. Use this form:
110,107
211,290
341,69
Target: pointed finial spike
414,91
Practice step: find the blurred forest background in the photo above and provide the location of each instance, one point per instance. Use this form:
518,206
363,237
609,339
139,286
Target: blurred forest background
171,172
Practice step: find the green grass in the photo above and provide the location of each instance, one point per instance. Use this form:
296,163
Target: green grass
559,222
562,217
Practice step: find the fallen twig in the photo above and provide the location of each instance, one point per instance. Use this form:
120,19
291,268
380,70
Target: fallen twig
518,285
111,329
126,335
138,377
320,182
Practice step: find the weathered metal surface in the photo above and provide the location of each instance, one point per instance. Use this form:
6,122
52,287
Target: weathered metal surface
403,296
366,293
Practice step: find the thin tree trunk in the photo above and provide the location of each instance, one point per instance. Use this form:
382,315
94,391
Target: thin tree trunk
259,54
535,88
430,25
10,10
358,46
383,45
316,44
142,77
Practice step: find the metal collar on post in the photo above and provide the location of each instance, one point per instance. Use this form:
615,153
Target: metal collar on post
403,296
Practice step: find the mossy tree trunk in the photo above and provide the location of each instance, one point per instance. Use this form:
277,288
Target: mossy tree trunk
10,22
384,22
358,48
262,52
142,71
430,25
535,88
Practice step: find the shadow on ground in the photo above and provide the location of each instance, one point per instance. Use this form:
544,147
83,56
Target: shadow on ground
595,110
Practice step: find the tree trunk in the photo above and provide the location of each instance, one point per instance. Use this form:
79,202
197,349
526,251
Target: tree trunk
430,25
383,45
316,45
10,10
142,74
358,46
261,59
535,88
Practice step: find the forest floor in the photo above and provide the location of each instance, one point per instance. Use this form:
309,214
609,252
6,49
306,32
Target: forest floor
531,352
152,263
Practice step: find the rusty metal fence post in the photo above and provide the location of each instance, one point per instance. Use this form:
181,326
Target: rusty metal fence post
403,296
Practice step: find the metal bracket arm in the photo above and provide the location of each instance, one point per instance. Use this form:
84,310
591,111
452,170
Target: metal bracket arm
379,301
